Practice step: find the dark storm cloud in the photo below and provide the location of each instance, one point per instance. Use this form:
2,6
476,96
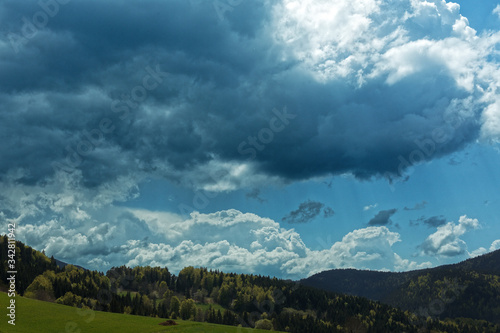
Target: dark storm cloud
109,47
67,98
383,217
306,212
452,246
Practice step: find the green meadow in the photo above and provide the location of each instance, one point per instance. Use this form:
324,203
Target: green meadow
33,316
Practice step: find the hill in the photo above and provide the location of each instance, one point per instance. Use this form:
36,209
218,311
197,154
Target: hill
370,284
44,317
467,289
488,263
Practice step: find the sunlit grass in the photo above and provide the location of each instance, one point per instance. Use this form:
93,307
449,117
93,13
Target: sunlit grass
44,317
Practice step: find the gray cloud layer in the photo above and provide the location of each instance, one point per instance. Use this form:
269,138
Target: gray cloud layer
110,89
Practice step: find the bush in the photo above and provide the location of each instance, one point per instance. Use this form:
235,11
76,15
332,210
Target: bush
264,324
41,289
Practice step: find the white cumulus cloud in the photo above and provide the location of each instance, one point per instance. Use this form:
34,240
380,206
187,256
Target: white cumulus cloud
495,245
446,241
228,240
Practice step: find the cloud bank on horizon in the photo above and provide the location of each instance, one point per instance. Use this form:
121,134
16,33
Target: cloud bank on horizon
226,240
97,97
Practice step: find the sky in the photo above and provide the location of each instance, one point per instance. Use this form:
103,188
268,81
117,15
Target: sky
279,138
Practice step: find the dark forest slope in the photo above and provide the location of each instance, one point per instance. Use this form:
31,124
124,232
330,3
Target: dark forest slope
467,289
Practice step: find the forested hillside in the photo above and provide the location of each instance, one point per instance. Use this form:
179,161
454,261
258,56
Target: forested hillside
224,298
467,289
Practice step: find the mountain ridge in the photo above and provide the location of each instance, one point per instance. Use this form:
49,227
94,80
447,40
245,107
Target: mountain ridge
452,286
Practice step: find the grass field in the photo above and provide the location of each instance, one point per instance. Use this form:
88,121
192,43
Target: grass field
34,316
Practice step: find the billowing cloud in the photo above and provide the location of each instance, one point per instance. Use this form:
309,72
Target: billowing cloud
495,245
228,240
307,211
368,248
242,229
446,241
139,92
273,93
248,243
383,217
478,252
